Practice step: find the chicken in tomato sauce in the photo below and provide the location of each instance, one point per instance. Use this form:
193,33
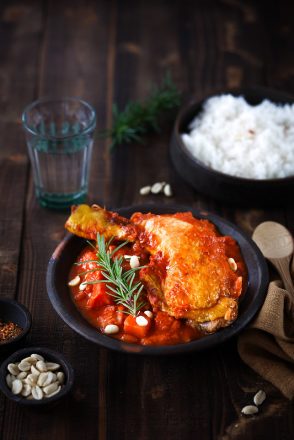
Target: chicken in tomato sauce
155,279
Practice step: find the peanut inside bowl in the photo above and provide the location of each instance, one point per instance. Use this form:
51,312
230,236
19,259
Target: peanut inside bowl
36,376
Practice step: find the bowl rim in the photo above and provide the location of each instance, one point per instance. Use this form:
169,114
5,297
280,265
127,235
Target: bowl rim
54,356
196,345
196,106
26,313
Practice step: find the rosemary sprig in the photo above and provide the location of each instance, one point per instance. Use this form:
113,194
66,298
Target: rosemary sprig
122,286
131,124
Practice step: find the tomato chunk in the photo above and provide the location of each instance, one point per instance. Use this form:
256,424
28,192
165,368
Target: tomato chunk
87,258
97,292
132,328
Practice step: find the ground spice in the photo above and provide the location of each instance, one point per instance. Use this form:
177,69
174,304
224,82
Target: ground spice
9,330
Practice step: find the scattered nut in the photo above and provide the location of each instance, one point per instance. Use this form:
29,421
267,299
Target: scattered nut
82,286
37,357
16,386
141,321
26,390
148,313
60,377
32,379
34,370
41,365
134,261
233,264
13,369
249,410
75,281
259,397
54,392
22,375
37,393
52,366
49,389
49,378
9,379
167,190
156,188
24,366
111,329
29,359
145,190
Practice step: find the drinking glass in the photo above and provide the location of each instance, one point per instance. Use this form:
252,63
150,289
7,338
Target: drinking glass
59,135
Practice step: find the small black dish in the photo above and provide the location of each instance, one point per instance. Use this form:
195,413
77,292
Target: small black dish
49,356
224,187
13,311
66,253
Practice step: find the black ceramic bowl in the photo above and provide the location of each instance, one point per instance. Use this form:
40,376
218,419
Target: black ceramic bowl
13,311
49,356
68,250
224,187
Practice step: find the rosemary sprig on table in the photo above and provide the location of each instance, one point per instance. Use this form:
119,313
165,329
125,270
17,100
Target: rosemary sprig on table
122,286
131,124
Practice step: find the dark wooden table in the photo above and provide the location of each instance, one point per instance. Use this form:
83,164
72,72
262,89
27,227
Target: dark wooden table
110,51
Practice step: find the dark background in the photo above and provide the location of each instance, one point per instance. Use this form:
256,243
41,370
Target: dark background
105,52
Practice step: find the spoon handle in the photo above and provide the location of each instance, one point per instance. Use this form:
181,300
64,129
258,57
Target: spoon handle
282,266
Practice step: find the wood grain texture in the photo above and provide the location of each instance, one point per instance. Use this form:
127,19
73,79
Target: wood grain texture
106,51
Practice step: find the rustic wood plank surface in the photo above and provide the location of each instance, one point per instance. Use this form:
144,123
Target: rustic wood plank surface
111,51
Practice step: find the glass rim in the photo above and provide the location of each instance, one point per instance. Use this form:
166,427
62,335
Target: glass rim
90,126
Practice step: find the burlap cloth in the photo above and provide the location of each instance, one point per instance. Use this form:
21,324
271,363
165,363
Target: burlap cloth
267,345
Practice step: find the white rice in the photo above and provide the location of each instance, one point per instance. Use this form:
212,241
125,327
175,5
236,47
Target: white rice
242,140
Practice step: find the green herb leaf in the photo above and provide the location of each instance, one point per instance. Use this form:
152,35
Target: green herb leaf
122,287
131,124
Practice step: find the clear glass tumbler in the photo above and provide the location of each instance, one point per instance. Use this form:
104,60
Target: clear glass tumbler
59,135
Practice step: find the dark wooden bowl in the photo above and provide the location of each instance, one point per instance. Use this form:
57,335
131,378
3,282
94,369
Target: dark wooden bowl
68,250
11,310
50,356
226,188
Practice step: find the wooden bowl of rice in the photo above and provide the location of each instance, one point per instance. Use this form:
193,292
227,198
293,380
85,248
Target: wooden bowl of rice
210,166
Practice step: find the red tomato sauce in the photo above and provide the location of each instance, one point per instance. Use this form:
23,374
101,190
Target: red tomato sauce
99,308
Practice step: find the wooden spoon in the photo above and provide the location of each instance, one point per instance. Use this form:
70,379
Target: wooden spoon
276,244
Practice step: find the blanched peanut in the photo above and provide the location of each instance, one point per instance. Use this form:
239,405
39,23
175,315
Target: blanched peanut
13,369
141,321
167,191
75,281
233,264
249,410
134,261
111,329
16,386
145,190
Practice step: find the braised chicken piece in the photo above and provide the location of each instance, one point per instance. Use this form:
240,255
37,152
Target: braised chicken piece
85,221
189,274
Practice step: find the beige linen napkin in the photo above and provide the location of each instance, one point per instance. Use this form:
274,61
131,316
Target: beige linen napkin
267,345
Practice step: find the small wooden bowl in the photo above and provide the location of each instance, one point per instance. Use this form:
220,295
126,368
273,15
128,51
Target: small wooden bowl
13,311
221,186
49,356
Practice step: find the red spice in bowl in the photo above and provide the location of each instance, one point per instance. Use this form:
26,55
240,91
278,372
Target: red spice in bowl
9,330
